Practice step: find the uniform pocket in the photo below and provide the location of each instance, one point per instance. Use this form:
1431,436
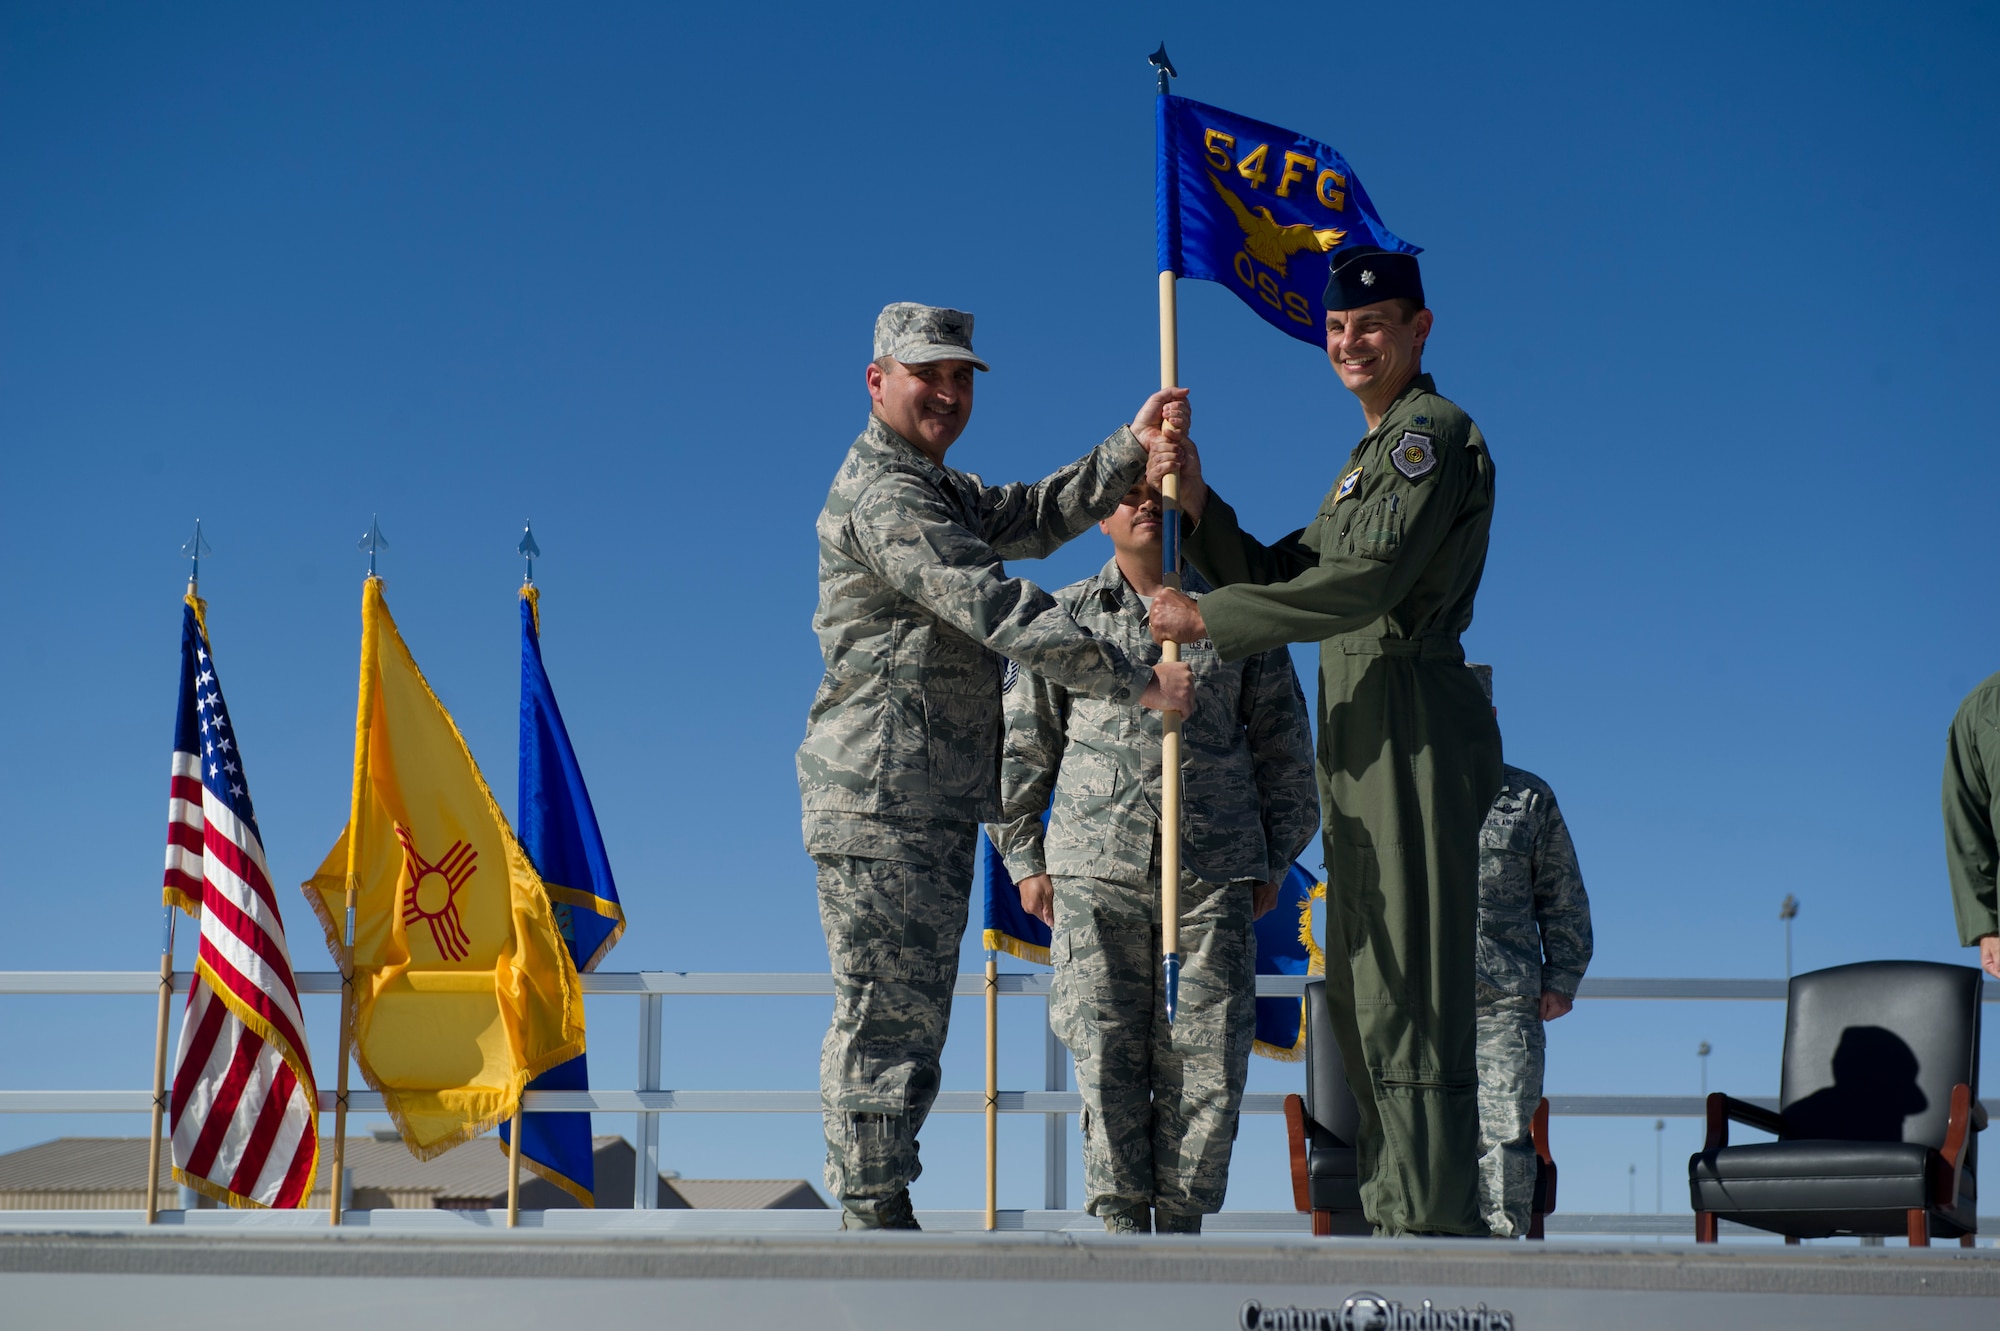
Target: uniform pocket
1375,531
963,744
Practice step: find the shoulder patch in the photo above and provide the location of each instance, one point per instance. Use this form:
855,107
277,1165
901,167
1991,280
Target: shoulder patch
1010,676
1347,484
1414,454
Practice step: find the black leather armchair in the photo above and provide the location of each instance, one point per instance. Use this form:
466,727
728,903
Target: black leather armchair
1324,1124
1878,1111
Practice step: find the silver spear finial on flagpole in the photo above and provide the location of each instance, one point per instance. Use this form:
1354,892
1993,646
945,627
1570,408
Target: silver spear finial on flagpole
194,548
1161,61
529,551
373,543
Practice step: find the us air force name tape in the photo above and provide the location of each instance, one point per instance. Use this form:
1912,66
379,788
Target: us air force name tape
1368,275
919,334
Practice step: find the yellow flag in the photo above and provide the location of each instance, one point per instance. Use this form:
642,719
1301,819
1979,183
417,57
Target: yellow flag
463,989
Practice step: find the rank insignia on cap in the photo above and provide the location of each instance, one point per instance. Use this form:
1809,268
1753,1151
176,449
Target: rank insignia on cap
1008,679
1414,455
1347,484
1367,277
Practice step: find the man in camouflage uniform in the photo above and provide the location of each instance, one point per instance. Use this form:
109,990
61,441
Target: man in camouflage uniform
1383,578
901,759
1534,943
1159,1100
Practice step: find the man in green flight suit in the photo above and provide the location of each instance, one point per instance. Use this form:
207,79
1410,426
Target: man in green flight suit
1409,753
1971,810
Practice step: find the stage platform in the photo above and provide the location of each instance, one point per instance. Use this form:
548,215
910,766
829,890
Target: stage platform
757,1269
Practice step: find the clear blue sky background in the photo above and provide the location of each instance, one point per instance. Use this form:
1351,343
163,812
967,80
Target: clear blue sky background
1717,283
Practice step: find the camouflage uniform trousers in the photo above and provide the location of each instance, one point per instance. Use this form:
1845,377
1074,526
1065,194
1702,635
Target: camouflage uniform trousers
893,928
1159,1101
1512,1045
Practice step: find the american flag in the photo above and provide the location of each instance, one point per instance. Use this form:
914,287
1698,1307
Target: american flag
245,1109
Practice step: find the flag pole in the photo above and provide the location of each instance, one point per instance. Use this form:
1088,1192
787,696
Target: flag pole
364,722
514,1170
194,549
992,1090
160,1058
1170,722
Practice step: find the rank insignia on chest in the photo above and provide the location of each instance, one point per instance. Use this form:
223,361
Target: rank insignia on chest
1414,454
1347,484
1010,676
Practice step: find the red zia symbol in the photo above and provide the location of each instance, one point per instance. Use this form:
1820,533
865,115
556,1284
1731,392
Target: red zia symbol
433,893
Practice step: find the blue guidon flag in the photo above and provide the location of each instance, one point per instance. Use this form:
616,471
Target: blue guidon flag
558,829
1260,210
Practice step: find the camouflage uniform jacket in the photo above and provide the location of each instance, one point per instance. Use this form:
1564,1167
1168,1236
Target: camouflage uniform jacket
1534,918
915,610
1247,768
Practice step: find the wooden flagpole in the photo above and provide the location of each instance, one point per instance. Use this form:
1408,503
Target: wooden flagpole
1170,722
992,1090
514,1170
160,1066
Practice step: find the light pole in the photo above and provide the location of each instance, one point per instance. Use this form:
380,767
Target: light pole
1659,1166
1701,1052
1787,910
1632,1189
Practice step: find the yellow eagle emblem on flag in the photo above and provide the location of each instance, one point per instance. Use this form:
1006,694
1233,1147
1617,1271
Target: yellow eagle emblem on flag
1269,242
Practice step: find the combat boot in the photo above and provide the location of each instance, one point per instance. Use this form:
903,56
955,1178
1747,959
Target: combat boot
891,1212
1128,1220
1176,1222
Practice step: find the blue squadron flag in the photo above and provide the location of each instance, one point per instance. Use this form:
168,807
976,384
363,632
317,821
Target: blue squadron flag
1285,946
558,829
1259,209
1009,927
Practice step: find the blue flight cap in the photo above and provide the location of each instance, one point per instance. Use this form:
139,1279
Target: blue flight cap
1368,275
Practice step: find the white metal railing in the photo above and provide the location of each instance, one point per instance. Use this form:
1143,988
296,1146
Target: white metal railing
649,1099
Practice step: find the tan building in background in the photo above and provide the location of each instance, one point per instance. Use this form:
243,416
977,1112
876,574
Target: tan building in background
109,1174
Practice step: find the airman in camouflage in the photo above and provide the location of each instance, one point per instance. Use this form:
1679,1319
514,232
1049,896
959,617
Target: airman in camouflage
901,755
1160,1101
1534,943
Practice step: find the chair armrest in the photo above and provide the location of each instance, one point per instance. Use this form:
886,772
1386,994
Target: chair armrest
1295,1130
1723,1108
1538,1132
1951,1156
1978,1116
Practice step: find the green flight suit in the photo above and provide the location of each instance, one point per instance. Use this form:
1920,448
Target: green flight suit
1971,810
1408,764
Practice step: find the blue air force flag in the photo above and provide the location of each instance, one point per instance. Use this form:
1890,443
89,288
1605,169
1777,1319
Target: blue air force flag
1009,927
1260,210
558,829
1285,946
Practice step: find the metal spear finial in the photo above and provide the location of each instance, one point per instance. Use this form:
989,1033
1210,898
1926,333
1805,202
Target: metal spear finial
194,548
529,551
1161,61
372,543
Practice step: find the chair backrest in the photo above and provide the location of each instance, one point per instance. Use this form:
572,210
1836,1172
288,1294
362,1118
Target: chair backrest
1329,1102
1872,1050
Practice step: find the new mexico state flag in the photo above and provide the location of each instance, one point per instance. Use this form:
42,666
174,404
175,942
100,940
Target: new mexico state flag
463,989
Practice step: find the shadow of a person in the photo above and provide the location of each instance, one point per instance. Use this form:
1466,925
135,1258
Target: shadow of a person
1874,1090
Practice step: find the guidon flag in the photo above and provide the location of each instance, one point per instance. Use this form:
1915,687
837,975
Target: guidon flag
1259,209
244,1110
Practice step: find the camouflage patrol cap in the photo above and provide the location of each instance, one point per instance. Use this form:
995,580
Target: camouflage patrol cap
918,334
1485,673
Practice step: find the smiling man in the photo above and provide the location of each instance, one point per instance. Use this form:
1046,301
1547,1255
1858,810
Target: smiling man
1160,1100
1383,578
901,759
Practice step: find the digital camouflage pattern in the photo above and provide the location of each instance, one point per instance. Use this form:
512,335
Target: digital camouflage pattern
1512,1051
1534,916
1159,1101
1384,579
892,931
1249,804
919,334
915,613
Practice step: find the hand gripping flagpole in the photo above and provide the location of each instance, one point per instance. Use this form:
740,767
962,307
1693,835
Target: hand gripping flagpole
1170,722
194,548
372,544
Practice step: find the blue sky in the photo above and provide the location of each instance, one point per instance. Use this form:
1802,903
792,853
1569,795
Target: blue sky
1715,282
